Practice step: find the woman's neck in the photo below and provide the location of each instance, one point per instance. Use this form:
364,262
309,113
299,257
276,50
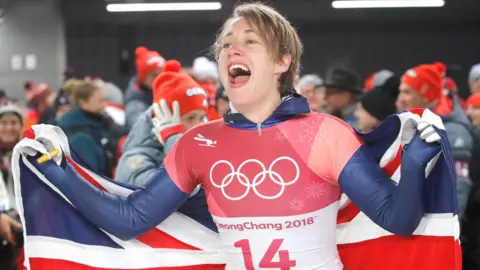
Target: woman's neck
260,112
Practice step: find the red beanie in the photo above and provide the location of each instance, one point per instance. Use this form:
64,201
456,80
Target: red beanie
146,62
474,100
450,84
426,80
173,85
441,68
35,91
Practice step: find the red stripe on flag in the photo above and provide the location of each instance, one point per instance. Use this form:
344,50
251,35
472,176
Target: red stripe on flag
49,264
412,253
154,238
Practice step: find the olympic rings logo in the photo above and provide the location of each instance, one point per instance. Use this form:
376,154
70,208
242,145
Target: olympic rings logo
257,180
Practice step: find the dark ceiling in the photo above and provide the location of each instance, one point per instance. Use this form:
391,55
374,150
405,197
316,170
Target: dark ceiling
298,11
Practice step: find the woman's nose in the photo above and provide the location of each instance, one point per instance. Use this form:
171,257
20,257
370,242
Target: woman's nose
234,51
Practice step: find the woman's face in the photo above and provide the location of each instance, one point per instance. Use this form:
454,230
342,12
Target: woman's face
96,103
10,128
193,118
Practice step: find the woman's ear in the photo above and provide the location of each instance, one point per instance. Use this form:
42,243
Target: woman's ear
284,64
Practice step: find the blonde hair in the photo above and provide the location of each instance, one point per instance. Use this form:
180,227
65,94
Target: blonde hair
68,86
83,91
279,35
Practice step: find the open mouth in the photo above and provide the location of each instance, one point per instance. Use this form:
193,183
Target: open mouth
238,74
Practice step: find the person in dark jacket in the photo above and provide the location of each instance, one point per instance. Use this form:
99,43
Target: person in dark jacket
90,132
343,88
138,96
470,236
376,104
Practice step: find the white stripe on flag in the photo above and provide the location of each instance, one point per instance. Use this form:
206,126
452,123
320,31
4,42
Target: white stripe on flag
105,257
176,225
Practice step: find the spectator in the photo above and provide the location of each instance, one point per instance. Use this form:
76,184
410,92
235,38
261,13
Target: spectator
40,98
115,108
377,79
421,87
376,104
474,79
343,89
92,134
11,128
221,101
312,88
138,96
143,153
471,223
205,72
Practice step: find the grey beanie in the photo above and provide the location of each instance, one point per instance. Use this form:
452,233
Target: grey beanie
113,93
474,74
309,79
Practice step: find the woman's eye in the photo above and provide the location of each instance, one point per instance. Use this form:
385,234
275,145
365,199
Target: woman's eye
226,45
251,41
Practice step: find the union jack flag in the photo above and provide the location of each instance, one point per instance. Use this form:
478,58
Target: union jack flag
59,237
363,245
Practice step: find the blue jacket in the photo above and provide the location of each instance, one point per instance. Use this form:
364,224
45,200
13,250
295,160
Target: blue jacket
142,153
396,208
82,130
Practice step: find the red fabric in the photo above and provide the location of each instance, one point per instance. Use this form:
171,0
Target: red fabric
35,90
20,259
170,131
474,100
369,82
50,264
426,80
450,84
147,62
409,253
31,118
172,85
121,142
441,68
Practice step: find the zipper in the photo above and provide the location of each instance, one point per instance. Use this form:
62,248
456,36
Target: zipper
259,129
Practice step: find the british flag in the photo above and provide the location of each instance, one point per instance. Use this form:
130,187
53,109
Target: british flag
59,237
363,245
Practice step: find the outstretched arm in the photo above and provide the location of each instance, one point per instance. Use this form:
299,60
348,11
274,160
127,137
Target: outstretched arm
396,208
124,217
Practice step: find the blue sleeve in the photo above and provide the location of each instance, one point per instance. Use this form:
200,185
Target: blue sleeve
396,208
124,217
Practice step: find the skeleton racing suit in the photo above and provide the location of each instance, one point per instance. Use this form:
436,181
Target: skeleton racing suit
273,188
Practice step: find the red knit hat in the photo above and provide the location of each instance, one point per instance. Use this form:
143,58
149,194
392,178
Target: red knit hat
172,85
35,91
474,100
146,62
441,68
450,84
426,80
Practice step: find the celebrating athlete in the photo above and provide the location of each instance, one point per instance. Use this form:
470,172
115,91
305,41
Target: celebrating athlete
272,170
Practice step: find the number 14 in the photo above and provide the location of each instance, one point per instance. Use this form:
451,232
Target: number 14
284,262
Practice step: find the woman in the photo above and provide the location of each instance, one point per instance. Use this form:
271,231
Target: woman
265,217
91,133
11,127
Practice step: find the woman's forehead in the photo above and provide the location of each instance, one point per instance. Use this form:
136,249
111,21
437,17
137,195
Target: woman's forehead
238,25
